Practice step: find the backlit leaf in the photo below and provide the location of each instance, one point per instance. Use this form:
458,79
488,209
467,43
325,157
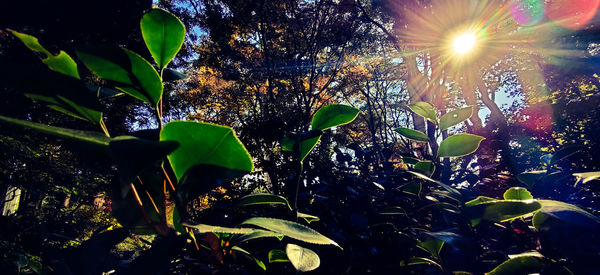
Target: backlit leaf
203,143
459,145
132,73
164,34
455,117
412,134
519,265
517,193
290,229
425,110
303,259
333,115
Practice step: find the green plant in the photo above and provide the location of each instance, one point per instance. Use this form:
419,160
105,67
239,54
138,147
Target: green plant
457,145
185,160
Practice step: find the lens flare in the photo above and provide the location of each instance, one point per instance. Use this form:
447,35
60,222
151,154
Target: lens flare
527,12
464,43
572,14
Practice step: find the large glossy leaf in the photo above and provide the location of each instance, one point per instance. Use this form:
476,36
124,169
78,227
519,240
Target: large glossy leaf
205,144
131,73
554,212
517,193
62,63
164,34
86,137
425,110
303,259
459,145
455,117
502,210
519,265
333,115
132,155
412,134
260,198
290,229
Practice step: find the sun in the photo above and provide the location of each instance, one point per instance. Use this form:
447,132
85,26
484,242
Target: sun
464,43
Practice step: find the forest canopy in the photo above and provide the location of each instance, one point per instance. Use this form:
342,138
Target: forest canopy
283,136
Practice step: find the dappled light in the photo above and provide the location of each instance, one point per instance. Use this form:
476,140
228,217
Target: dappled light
282,137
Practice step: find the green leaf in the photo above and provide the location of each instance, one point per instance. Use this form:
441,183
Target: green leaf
303,259
502,210
455,117
393,211
173,75
419,261
333,115
554,212
247,254
413,188
426,167
133,155
459,145
205,228
177,222
409,160
260,198
290,229
519,265
278,256
88,114
308,218
164,34
306,146
132,73
62,63
87,137
433,246
256,234
203,143
587,177
517,193
529,178
479,200
425,110
31,42
455,193
412,134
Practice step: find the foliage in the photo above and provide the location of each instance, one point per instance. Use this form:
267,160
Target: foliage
278,147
